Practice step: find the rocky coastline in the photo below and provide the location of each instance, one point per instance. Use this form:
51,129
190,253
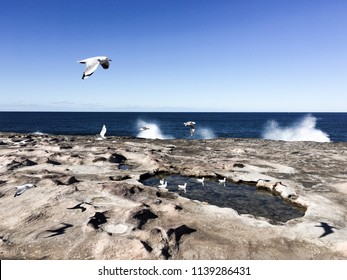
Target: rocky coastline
86,206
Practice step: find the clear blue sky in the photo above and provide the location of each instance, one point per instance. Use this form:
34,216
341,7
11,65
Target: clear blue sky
175,55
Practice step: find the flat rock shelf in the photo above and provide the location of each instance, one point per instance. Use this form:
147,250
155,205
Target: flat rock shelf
89,199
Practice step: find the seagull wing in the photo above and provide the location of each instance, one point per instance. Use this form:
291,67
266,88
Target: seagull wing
91,65
90,68
20,190
190,124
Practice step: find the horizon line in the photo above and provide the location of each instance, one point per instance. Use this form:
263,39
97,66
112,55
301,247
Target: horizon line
67,111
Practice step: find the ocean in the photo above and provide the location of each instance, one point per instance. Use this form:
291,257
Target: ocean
320,127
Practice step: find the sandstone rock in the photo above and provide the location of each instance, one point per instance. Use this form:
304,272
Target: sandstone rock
84,200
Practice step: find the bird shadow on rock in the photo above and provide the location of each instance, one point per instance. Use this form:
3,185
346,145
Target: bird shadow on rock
328,229
59,231
79,206
142,216
178,232
97,220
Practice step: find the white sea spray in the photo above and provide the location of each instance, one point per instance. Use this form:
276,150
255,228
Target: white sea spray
154,131
303,130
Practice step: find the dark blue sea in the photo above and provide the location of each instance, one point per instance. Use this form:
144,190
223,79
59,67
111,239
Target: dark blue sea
320,127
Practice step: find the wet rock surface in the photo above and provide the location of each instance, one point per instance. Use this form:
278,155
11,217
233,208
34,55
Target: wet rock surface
85,206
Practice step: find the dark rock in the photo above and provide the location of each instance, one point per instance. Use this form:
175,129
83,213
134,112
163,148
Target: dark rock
100,159
239,165
68,180
117,158
119,177
50,161
15,164
66,147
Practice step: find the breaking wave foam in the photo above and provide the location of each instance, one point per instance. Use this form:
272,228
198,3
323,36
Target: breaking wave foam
39,133
153,132
205,133
304,130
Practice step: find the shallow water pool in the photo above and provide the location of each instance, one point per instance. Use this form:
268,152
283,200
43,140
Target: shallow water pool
245,199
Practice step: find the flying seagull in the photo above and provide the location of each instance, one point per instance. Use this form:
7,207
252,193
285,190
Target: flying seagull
191,124
144,128
21,189
93,63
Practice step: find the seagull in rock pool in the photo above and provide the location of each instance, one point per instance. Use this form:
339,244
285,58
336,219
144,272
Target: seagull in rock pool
163,186
183,187
222,181
201,180
92,63
162,181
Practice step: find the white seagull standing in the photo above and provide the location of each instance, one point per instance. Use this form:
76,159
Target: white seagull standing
163,186
162,181
191,124
222,181
183,187
21,189
201,180
102,133
92,63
